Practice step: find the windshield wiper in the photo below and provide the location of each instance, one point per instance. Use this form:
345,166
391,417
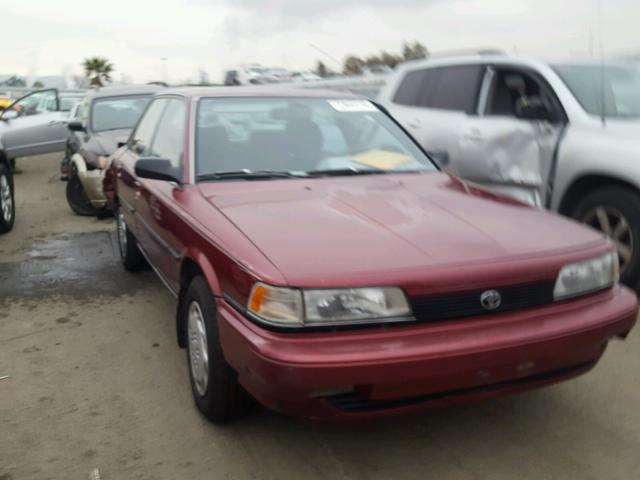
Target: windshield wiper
245,174
345,172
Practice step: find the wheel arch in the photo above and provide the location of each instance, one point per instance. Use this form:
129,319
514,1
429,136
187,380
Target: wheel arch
590,182
193,264
79,162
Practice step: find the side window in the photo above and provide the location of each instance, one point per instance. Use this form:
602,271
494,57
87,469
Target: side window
510,85
410,88
35,103
143,135
169,138
456,88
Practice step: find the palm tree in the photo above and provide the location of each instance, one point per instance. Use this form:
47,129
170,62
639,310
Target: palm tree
98,70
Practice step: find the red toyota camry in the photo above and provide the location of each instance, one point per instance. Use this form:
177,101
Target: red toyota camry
325,267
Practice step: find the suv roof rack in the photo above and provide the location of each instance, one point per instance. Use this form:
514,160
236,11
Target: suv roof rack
466,52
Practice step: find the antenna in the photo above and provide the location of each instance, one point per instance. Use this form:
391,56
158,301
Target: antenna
333,59
602,72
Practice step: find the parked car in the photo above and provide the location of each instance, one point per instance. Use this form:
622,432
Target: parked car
36,123
7,200
325,267
105,118
254,75
305,76
537,131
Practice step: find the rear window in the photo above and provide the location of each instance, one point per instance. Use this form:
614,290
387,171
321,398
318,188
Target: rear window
446,88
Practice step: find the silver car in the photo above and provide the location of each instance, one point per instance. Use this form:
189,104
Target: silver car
564,136
36,123
32,125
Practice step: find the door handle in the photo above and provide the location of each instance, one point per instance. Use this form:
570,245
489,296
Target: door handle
55,122
415,123
137,183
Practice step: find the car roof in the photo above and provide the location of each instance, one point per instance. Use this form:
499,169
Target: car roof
124,90
247,92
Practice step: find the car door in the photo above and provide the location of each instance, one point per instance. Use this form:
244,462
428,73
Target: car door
139,144
39,127
435,103
503,152
157,205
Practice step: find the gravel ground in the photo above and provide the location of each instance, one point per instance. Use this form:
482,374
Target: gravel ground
96,381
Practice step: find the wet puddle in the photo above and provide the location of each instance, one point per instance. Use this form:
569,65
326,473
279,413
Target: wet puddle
82,264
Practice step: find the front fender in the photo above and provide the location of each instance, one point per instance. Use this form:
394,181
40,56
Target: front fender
91,180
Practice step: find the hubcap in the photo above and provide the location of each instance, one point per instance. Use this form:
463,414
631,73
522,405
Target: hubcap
198,351
122,233
6,202
613,224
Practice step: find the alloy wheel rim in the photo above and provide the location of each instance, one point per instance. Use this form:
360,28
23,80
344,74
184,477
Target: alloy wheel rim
614,225
122,233
5,199
198,351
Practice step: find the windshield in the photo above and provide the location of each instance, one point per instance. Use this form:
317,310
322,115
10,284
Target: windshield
113,113
621,92
301,135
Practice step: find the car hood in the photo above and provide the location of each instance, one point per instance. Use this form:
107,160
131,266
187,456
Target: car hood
105,143
317,231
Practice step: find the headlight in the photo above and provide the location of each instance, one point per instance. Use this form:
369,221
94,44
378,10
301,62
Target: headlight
359,305
587,276
297,308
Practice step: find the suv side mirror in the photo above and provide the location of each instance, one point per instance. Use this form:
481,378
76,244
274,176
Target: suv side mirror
75,126
157,169
533,108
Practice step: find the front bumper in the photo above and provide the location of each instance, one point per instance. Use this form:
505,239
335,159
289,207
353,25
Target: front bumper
404,368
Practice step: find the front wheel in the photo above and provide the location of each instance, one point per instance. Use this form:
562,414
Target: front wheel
77,197
7,200
615,211
214,383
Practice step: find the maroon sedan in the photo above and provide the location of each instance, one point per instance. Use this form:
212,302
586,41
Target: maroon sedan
325,267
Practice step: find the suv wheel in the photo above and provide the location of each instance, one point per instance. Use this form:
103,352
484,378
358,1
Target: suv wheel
130,255
7,199
214,383
615,211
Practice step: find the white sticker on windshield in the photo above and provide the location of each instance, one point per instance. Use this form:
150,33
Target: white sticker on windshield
353,105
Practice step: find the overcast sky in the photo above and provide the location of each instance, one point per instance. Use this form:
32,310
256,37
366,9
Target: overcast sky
47,37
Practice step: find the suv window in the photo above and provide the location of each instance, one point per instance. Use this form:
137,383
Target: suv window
410,88
456,88
169,139
446,88
147,126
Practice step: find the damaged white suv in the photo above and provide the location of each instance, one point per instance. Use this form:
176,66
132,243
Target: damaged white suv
565,136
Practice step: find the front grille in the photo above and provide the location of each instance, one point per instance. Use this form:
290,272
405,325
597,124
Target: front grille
445,307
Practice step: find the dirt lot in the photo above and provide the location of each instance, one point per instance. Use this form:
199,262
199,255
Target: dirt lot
96,380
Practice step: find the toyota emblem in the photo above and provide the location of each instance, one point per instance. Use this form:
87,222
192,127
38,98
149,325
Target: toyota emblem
491,299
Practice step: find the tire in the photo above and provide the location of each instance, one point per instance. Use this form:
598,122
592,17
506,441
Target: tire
130,255
7,199
621,207
77,197
215,387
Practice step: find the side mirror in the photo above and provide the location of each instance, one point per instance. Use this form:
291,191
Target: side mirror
157,169
75,126
9,114
532,108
